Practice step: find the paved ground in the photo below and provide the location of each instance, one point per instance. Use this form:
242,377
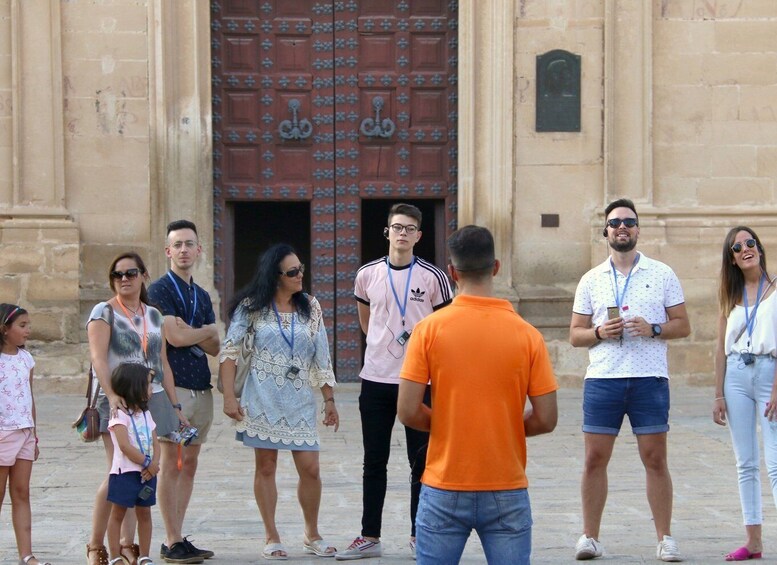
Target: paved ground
223,514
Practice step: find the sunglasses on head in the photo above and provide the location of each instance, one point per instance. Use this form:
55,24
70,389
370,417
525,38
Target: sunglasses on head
616,222
291,273
129,273
738,247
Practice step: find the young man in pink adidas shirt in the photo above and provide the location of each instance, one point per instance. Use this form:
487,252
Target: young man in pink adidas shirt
393,293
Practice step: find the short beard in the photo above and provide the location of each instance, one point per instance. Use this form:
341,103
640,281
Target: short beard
623,246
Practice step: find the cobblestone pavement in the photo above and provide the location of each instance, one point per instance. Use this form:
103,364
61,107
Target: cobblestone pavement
223,515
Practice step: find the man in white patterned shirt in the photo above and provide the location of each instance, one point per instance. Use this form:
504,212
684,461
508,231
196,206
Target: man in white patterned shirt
624,310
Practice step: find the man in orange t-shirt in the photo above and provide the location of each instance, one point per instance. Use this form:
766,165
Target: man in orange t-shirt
483,361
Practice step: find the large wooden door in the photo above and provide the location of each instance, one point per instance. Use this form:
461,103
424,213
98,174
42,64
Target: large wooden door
330,103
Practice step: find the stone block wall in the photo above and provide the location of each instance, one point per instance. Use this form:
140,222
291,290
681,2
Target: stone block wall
715,104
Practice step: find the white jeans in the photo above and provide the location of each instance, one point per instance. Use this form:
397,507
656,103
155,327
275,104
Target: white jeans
747,389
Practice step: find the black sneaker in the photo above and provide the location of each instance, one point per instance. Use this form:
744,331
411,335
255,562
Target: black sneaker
204,553
163,551
179,553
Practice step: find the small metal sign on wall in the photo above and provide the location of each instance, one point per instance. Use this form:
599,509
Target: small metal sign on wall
558,91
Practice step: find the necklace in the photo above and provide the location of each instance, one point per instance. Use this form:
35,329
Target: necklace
134,323
135,310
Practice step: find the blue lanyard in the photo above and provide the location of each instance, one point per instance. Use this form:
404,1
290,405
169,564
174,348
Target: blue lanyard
289,342
619,297
185,304
402,307
137,435
750,321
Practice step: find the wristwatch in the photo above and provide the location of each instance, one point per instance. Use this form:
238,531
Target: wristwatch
656,330
177,406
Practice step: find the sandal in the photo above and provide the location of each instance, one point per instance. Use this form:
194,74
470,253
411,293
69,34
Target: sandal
270,550
30,557
132,555
742,554
118,560
319,547
102,555
145,560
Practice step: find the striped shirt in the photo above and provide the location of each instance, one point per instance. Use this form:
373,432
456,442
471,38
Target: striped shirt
428,291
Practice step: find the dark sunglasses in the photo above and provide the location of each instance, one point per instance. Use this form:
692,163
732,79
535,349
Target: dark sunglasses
737,247
616,222
291,273
129,273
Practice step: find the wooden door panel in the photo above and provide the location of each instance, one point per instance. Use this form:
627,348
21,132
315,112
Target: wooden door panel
332,102
267,71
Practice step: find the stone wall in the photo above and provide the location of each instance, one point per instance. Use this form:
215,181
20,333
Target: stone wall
105,134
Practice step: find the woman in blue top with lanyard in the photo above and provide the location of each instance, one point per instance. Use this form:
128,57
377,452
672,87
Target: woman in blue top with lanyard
745,365
277,408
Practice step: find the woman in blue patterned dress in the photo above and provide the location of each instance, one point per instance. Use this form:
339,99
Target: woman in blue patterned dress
278,408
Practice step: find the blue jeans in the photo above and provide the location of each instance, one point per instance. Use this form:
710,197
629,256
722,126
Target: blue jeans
747,389
445,519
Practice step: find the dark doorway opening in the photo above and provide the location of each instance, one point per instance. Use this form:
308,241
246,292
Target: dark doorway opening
432,244
258,225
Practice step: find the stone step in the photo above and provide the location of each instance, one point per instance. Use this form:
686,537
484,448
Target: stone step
541,302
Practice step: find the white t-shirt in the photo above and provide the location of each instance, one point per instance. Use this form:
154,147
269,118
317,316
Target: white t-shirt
428,290
763,340
15,393
652,288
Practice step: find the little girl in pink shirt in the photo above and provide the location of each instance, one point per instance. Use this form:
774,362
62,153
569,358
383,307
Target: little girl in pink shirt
132,482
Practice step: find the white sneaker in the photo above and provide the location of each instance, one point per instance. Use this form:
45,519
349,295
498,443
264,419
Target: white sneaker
667,550
588,548
359,549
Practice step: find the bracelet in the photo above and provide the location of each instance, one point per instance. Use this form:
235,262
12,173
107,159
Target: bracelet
596,333
330,399
178,406
720,398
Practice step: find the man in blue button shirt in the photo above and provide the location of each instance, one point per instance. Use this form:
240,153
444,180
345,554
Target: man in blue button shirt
190,329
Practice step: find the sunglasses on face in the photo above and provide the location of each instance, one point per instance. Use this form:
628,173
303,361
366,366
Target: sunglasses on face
616,222
738,247
129,273
291,273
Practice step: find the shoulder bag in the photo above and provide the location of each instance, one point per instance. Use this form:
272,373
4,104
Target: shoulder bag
87,425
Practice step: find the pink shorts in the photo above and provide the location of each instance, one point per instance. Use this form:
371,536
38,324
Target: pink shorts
16,444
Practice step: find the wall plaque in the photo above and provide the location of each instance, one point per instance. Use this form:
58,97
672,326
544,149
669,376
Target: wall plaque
558,91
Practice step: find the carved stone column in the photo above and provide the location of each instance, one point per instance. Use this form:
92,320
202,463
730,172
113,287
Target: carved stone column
39,242
486,124
628,100
182,178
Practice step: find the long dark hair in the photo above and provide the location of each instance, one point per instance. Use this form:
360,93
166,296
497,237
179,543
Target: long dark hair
261,290
732,281
8,314
130,381
143,273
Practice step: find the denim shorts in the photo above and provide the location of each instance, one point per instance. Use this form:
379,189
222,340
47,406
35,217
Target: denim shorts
124,488
644,399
